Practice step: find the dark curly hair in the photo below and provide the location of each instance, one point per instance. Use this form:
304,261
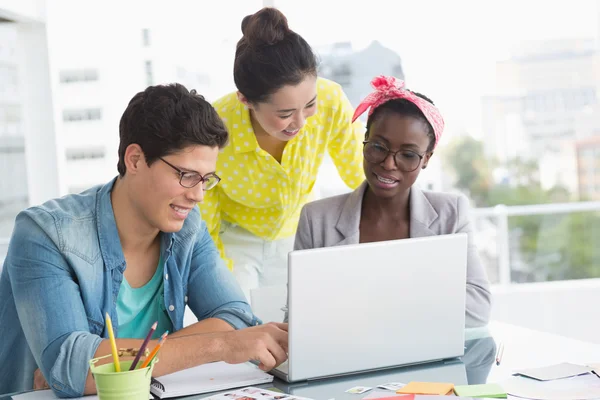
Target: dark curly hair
164,119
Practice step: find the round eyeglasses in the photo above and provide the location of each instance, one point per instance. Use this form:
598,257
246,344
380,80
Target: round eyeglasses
191,179
406,160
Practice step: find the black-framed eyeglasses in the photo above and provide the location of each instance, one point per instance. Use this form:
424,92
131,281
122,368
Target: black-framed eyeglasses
406,160
191,179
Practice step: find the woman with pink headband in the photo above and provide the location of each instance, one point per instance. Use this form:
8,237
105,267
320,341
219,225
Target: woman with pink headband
403,130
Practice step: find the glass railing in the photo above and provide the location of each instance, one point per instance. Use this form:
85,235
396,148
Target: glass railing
550,245
534,243
539,243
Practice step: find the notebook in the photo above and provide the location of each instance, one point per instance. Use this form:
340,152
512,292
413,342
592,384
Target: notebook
208,378
427,388
552,372
490,390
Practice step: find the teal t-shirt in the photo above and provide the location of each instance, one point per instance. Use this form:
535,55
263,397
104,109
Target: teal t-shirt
139,308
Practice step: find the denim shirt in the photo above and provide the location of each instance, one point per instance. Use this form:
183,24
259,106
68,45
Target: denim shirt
63,272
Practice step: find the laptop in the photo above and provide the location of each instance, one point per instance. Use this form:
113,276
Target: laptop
373,306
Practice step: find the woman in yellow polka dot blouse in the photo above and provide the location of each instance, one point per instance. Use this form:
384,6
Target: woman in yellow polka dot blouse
281,122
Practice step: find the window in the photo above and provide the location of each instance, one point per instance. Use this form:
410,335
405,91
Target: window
8,80
146,37
85,154
342,74
85,114
148,70
397,71
78,75
10,120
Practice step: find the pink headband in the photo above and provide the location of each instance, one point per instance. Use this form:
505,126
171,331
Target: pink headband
388,88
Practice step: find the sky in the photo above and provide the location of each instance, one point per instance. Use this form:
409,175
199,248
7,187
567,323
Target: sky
449,49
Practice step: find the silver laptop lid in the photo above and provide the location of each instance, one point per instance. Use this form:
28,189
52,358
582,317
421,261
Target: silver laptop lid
377,305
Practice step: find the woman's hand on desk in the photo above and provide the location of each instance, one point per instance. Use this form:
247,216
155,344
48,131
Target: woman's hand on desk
267,344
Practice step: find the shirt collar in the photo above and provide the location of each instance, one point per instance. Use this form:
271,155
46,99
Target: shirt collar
108,234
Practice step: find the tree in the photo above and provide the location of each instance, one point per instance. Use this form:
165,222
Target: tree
473,172
551,247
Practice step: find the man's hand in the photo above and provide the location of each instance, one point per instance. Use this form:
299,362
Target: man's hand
267,344
39,382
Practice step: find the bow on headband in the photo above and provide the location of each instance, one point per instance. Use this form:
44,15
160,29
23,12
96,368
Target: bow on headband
389,88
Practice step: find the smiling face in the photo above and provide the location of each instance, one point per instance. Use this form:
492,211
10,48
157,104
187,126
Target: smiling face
157,194
286,111
406,135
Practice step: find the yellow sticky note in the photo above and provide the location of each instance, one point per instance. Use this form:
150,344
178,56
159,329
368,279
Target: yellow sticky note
427,388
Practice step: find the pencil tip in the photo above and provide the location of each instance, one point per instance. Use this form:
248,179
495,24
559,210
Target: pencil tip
154,325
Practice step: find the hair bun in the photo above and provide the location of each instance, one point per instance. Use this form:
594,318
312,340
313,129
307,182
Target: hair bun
265,27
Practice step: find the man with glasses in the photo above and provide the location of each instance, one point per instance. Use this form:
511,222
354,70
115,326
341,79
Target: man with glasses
135,248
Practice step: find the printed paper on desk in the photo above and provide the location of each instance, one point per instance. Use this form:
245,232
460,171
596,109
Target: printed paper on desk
552,372
46,395
358,389
252,393
392,386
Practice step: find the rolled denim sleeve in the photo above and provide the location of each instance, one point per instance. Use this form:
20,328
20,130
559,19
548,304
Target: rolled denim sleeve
49,304
212,288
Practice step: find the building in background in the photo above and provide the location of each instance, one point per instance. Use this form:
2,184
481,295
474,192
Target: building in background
539,112
355,69
94,84
13,176
30,167
65,82
588,167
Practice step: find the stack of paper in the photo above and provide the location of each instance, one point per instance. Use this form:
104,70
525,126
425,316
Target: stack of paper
578,387
595,368
552,372
556,382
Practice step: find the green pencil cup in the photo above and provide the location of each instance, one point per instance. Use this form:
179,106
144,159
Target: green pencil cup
124,385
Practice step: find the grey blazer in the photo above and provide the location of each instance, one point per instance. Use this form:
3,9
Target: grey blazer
334,221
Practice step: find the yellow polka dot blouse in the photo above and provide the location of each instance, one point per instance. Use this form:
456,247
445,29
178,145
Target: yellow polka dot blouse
265,197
